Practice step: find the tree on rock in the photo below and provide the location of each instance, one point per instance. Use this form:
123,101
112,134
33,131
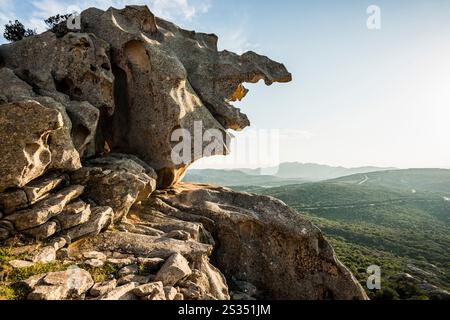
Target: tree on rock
58,24
15,31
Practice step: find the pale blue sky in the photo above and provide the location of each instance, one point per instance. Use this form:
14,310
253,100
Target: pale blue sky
359,97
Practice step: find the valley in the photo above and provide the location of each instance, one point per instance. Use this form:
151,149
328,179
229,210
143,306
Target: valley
397,219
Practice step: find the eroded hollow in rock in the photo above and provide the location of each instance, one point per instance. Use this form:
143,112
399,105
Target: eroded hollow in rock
121,117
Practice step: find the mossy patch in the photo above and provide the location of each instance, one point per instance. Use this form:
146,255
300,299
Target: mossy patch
11,287
104,273
24,273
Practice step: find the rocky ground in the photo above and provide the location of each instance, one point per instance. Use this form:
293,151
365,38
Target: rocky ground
90,201
164,247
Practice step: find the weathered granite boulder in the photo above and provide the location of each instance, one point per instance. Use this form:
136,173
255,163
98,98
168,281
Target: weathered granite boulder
70,284
75,66
64,154
74,214
103,288
13,88
167,78
117,181
170,293
44,255
124,292
148,79
80,118
26,128
11,201
20,264
84,118
175,269
154,288
40,188
100,219
43,231
45,210
46,149
264,242
206,282
144,246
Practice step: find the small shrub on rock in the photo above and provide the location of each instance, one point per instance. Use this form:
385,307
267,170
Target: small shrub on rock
15,31
58,24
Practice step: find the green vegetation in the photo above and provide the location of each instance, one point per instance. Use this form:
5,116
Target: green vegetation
399,220
11,287
236,177
58,24
433,180
104,273
15,31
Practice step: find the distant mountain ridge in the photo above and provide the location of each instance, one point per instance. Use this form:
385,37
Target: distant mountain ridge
312,171
285,173
236,178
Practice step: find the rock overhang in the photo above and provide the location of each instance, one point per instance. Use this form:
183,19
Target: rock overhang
205,81
148,77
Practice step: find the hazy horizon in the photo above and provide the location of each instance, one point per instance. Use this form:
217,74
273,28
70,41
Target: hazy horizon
207,166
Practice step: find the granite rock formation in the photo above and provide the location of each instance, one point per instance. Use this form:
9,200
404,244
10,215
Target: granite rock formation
86,131
294,261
